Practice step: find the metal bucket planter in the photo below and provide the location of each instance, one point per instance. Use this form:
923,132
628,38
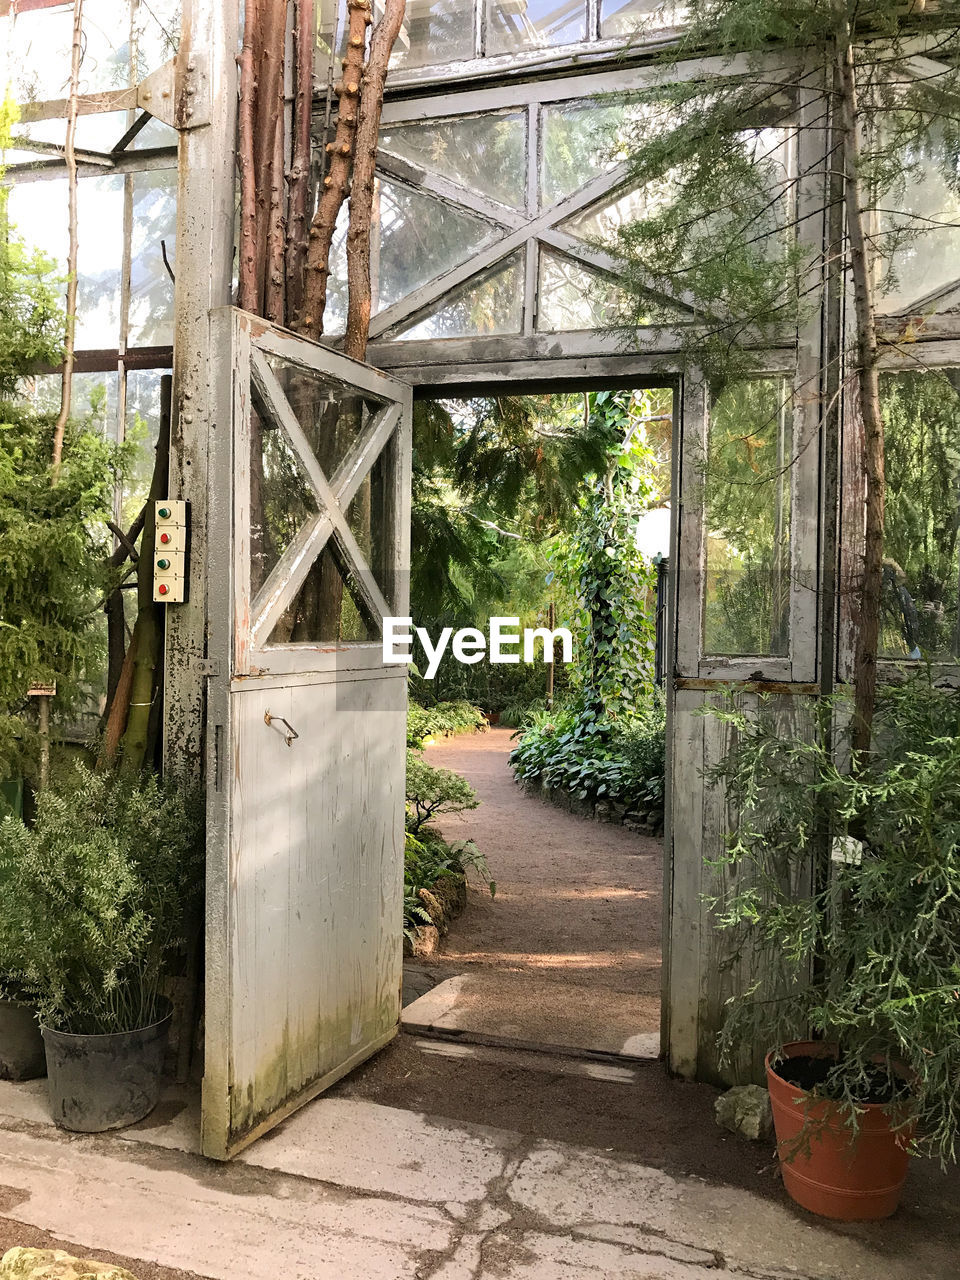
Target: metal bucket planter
857,1181
106,1081
21,1046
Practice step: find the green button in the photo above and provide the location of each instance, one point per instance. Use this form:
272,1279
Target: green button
163,564
164,513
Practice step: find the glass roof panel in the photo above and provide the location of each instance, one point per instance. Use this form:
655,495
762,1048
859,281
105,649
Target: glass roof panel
486,153
434,31
581,140
534,24
490,305
415,238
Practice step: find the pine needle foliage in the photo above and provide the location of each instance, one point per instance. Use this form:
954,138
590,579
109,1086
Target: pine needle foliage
711,151
871,959
53,540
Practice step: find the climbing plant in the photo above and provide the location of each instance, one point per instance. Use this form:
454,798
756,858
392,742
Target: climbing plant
614,583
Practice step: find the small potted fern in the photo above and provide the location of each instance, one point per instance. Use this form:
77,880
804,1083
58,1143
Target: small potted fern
858,1000
99,888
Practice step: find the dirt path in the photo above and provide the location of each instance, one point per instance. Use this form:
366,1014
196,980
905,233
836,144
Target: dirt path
577,901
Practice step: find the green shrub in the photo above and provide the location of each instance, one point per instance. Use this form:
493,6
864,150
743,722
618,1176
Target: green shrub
870,958
432,791
606,760
442,720
96,895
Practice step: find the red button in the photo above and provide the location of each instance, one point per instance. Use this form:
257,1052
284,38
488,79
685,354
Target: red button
164,537
163,588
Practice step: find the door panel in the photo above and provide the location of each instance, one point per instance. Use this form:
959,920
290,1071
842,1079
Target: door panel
306,727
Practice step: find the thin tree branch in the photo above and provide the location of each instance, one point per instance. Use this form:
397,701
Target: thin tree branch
70,154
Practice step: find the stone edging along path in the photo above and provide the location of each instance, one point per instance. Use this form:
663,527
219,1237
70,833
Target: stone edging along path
646,821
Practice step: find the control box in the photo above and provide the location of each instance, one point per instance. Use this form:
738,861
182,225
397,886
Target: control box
170,551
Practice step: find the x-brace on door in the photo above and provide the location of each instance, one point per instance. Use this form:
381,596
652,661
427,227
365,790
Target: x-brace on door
309,548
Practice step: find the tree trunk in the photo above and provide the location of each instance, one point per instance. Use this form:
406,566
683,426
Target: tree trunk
298,187
247,295
70,155
362,188
273,292
866,415
269,43
334,191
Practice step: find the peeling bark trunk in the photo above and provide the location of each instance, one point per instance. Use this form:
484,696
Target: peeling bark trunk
335,184
70,155
364,175
269,42
273,293
298,184
247,295
866,413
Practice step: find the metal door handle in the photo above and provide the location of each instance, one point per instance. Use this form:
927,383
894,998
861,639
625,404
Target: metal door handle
291,733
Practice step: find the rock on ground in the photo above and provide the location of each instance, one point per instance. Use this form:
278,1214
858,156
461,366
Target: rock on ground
54,1264
745,1109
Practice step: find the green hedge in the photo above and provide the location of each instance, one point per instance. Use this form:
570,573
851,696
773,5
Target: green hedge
610,760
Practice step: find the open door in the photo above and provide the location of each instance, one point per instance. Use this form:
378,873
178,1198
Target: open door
308,527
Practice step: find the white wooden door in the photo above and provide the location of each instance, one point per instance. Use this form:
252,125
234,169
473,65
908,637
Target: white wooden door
308,523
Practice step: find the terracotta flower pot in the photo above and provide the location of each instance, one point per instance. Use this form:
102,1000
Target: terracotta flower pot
826,1172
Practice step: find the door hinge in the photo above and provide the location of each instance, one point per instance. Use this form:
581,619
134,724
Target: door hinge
207,666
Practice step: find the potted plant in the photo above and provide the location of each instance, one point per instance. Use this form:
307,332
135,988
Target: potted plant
858,997
98,890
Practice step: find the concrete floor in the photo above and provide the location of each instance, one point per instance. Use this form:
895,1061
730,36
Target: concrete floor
351,1190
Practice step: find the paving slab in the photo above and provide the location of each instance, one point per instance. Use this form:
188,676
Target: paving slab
353,1193
221,1222
494,1006
585,1194
371,1148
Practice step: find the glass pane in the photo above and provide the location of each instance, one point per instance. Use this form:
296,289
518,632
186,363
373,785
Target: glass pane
486,153
603,221
40,50
94,398
920,256
39,212
434,31
154,134
151,289
331,417
415,238
637,17
328,608
491,305
282,501
142,426
580,141
97,132
921,573
157,34
574,297
533,24
747,518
